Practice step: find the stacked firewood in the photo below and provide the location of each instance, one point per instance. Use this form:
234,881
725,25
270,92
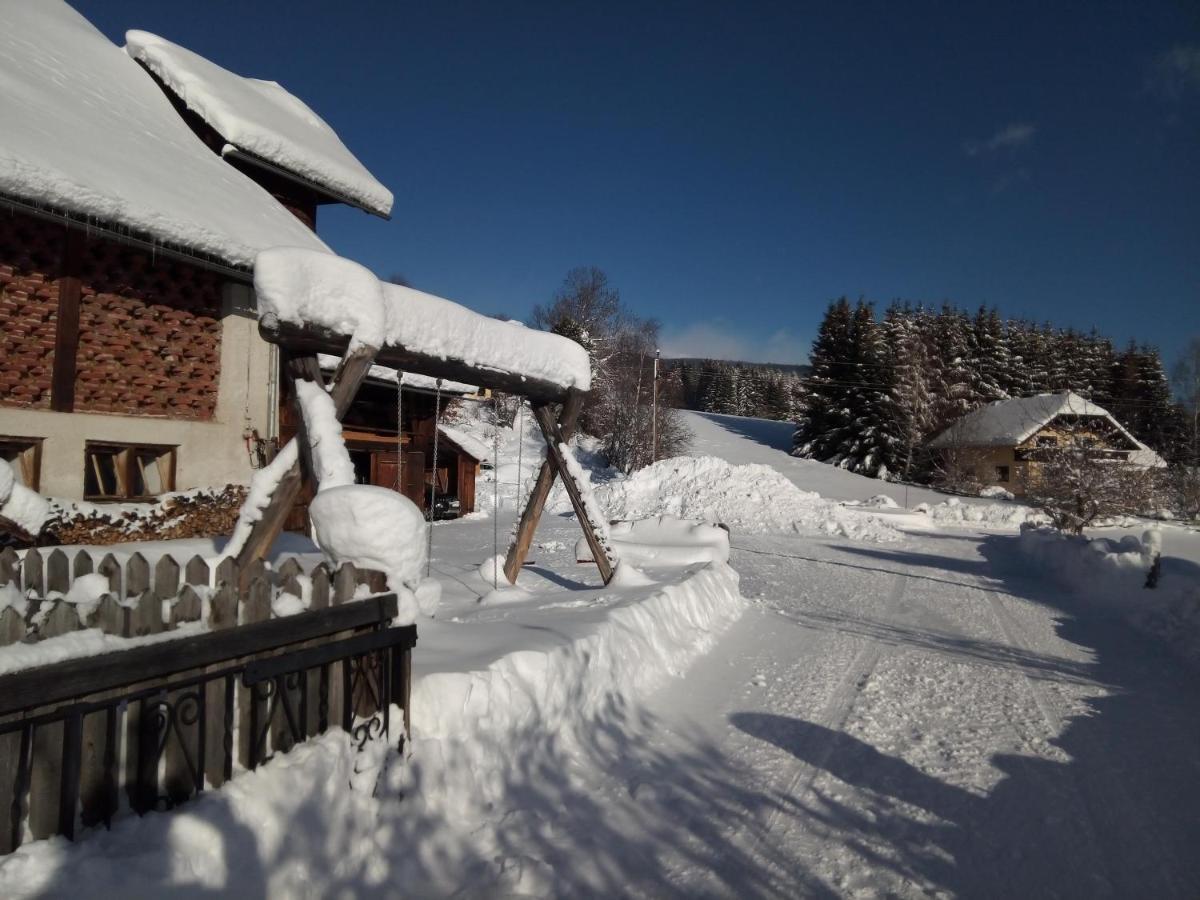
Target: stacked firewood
202,513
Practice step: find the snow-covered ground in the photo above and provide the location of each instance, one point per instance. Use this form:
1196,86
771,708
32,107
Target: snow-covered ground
929,714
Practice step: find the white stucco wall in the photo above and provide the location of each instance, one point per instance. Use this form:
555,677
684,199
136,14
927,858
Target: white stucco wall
208,453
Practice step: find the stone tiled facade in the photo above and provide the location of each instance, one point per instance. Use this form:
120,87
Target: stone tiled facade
30,266
149,330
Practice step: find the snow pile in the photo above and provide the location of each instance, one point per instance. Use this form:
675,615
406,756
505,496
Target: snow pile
473,731
88,131
262,118
376,528
750,499
987,515
1112,573
995,492
302,287
18,504
664,542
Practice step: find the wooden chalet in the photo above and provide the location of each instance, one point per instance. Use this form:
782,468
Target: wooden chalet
1004,443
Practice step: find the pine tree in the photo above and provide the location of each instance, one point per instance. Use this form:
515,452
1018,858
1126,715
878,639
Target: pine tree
826,416
912,401
989,357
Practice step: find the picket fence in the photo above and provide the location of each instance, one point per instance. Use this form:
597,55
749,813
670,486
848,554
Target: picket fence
149,726
143,600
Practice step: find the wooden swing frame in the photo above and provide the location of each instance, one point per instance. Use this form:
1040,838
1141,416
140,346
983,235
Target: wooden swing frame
299,346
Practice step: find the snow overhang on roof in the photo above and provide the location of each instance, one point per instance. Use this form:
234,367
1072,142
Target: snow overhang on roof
317,302
264,123
88,135
1007,423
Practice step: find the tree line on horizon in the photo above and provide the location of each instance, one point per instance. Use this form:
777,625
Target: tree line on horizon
881,388
738,388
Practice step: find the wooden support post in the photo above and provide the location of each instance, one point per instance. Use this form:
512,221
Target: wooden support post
519,549
554,440
346,382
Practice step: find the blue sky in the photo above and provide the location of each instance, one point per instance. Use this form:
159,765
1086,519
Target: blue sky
733,167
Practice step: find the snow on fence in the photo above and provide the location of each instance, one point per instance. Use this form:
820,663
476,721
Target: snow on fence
147,723
45,595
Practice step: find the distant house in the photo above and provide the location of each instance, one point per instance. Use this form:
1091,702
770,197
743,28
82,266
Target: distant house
1002,444
137,185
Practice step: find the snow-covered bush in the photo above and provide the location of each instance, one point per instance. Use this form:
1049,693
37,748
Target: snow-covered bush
1077,485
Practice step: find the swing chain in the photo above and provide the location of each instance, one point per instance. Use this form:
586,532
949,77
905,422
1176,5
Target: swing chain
495,490
437,414
399,432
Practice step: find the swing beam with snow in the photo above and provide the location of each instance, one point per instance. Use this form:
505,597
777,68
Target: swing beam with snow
299,345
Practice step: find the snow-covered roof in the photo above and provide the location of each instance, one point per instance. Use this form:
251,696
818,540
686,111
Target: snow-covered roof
306,289
87,132
262,118
466,442
1007,423
329,362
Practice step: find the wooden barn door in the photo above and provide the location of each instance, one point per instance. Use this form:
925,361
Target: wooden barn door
414,478
387,466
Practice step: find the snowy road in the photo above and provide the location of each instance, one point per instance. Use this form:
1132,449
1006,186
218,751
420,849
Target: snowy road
912,719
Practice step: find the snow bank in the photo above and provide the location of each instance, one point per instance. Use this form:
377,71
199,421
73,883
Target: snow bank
1112,573
26,509
301,286
472,730
266,833
751,498
988,515
262,118
88,131
375,528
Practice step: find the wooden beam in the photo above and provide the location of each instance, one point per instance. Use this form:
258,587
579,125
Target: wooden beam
66,326
554,441
314,339
346,382
518,550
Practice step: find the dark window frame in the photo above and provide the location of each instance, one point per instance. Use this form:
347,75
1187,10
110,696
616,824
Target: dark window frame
126,470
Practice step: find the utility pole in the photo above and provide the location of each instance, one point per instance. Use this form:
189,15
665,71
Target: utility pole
654,411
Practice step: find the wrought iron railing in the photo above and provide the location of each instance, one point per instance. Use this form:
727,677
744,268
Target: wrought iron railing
150,727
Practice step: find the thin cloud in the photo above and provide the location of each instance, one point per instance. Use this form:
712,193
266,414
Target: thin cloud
1011,137
1175,72
716,340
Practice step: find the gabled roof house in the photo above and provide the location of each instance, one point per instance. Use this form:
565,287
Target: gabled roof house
137,187
1002,443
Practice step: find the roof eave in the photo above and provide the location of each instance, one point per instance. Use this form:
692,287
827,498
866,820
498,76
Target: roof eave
230,151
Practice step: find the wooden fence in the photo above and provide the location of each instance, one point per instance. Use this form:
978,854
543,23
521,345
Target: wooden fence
150,726
143,600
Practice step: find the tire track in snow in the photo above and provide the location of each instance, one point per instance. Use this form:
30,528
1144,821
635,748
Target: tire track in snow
1141,832
834,714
